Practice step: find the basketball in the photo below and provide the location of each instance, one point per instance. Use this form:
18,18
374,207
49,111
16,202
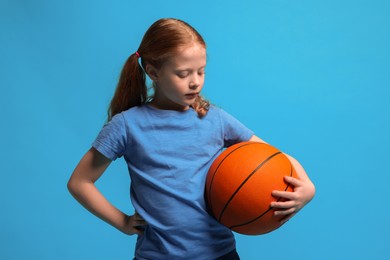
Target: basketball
239,185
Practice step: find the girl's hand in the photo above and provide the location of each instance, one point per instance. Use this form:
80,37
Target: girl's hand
134,224
292,202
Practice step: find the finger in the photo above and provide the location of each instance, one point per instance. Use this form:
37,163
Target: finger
138,231
286,218
283,205
138,223
283,194
284,212
293,181
137,216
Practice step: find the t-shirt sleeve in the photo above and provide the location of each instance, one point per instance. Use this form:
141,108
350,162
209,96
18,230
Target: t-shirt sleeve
233,130
111,140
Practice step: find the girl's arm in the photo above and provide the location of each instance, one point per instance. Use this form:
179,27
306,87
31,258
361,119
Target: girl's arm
82,186
304,190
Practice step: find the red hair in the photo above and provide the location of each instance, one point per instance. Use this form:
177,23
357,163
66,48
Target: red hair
161,41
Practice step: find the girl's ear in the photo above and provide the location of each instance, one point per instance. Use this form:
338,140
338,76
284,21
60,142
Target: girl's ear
152,72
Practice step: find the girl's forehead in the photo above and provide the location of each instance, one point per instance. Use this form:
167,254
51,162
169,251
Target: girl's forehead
189,55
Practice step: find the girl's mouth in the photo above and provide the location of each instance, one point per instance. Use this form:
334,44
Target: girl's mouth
191,95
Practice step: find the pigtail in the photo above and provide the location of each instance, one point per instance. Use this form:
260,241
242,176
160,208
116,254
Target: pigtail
201,106
131,90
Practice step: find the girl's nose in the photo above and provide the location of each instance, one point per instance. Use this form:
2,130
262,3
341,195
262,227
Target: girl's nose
195,82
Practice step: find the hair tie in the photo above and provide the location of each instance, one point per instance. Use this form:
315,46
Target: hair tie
136,53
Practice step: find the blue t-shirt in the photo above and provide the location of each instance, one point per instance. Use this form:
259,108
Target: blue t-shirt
168,154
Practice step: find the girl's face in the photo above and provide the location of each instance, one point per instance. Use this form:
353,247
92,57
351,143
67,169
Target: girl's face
180,79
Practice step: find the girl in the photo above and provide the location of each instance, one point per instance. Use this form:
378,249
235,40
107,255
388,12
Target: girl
169,141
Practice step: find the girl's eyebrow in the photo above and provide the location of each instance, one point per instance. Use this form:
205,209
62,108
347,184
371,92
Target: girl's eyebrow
190,69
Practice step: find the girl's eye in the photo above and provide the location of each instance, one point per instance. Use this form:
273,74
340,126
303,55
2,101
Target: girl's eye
201,73
182,74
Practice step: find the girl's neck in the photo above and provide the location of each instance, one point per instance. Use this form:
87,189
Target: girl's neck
167,105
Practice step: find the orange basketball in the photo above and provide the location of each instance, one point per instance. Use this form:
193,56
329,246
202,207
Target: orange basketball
239,185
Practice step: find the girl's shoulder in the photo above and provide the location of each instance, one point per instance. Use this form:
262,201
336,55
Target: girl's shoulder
217,111
214,109
126,117
134,113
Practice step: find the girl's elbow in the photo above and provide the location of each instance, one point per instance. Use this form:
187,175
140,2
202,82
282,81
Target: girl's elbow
312,190
71,185
77,184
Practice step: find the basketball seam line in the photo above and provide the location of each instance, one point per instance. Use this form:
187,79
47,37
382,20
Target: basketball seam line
265,212
216,170
242,184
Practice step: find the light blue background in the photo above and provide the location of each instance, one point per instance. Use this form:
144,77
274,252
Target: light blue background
310,77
